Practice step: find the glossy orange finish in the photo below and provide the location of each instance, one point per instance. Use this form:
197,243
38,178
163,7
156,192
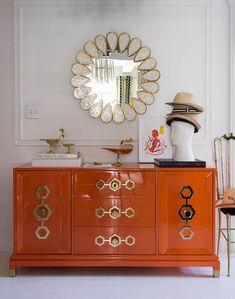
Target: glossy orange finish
59,222
144,238
169,185
74,226
144,212
85,183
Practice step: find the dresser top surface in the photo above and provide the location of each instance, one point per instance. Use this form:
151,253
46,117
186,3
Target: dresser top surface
124,166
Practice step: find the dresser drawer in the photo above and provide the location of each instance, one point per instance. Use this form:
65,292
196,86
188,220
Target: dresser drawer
115,212
114,184
112,240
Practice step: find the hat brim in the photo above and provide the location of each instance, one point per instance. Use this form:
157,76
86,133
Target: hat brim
187,105
184,118
184,113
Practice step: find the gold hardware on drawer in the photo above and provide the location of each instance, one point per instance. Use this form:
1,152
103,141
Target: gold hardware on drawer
115,184
186,213
115,240
114,212
42,232
42,212
186,232
42,192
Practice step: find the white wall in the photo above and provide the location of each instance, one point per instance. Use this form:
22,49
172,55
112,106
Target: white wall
190,40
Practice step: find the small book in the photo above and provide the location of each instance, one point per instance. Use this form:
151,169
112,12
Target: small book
172,163
56,156
57,162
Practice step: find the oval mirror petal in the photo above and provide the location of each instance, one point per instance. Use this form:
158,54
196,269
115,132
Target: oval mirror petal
128,111
138,106
81,92
152,75
146,97
112,40
78,81
101,44
142,54
96,109
148,64
79,69
123,42
134,46
107,113
91,49
84,58
88,101
118,115
151,87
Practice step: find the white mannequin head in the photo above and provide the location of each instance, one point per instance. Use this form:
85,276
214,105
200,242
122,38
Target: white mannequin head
182,136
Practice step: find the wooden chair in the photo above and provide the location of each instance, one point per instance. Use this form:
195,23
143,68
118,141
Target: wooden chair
224,147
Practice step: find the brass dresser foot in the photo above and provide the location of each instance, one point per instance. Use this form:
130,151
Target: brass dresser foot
216,273
12,272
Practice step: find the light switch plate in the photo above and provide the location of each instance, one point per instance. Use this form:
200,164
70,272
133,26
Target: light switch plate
32,112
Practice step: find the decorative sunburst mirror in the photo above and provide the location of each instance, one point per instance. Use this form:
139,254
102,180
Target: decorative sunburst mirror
115,77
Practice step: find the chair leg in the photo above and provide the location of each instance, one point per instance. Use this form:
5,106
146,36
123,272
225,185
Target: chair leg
219,232
228,240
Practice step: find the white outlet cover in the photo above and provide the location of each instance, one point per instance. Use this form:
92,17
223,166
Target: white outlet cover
32,112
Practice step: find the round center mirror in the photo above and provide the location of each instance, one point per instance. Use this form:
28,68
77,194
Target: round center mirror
115,77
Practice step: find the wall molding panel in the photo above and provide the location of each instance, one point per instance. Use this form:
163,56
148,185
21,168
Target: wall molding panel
6,240
24,13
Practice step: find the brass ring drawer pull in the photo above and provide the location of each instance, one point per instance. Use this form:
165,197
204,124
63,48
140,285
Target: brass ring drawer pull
115,184
114,212
186,213
42,212
115,240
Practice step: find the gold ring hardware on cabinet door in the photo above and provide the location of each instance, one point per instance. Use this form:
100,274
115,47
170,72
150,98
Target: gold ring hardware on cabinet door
115,240
115,184
42,212
186,213
114,212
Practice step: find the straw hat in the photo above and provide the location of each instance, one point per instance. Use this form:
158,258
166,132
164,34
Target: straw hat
228,199
186,100
187,117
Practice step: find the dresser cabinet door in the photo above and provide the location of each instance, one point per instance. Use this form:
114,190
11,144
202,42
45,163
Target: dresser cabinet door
42,212
185,212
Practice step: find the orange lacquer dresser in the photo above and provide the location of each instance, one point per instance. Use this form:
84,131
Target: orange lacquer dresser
136,215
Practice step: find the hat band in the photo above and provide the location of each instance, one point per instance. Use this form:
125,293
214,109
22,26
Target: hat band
184,110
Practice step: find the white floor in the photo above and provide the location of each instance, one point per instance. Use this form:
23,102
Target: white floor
120,283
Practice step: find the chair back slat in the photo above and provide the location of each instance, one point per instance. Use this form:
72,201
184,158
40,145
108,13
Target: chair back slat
223,154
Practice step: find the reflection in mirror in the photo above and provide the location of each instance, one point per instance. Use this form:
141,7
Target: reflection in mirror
115,77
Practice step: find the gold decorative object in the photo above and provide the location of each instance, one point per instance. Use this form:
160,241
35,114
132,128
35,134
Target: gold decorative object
186,232
216,273
186,213
114,212
115,240
42,212
124,148
115,184
97,60
68,146
42,232
53,141
12,273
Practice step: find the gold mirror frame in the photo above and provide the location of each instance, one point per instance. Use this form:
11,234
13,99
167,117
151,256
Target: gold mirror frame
101,47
